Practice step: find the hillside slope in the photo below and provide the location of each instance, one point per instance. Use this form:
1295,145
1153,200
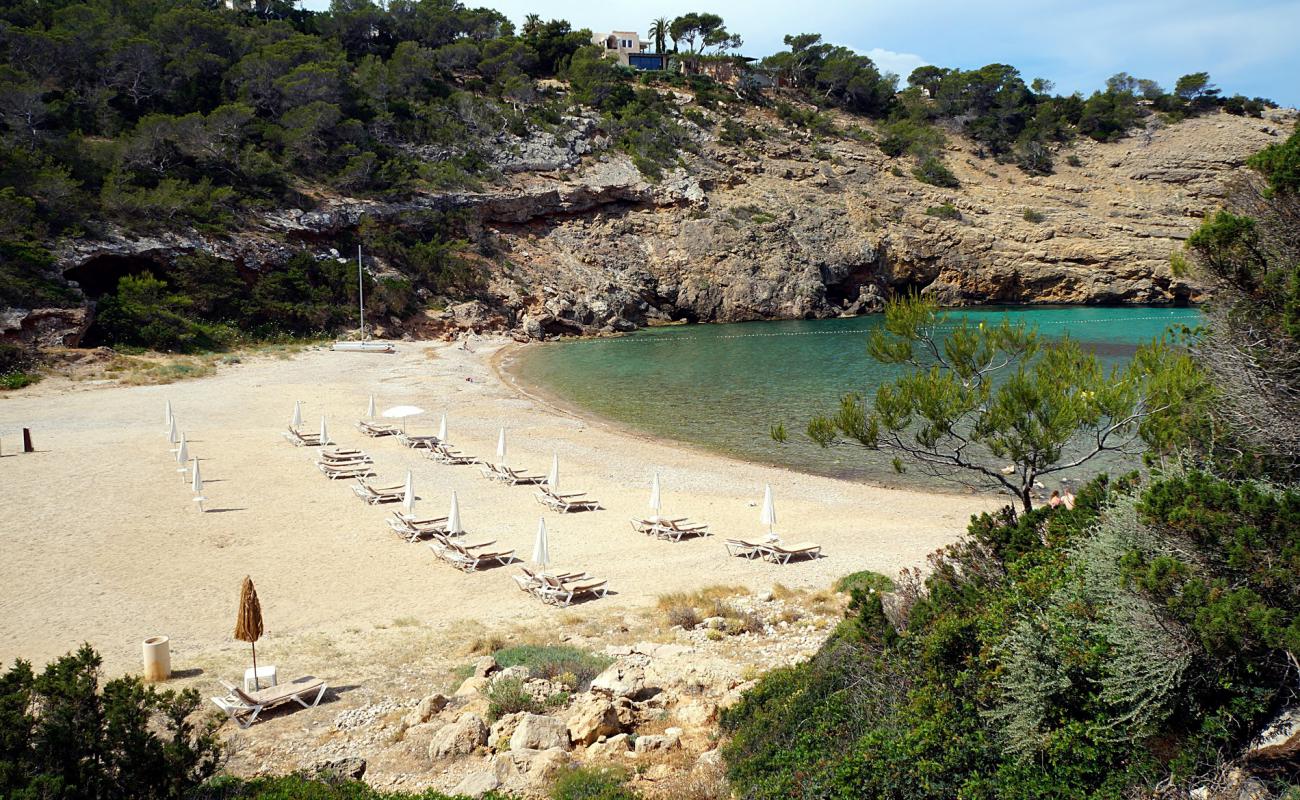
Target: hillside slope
572,238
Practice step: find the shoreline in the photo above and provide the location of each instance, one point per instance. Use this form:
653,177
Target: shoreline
507,357
119,551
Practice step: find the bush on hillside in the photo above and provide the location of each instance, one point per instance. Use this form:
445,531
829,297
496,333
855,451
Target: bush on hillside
1097,651
64,735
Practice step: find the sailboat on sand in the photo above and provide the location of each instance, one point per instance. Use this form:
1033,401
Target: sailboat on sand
365,345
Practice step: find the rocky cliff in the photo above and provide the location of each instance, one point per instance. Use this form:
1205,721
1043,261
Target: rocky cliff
572,238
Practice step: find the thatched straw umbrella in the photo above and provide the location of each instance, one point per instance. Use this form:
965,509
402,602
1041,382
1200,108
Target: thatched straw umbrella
248,626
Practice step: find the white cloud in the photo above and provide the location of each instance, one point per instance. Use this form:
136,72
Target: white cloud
901,64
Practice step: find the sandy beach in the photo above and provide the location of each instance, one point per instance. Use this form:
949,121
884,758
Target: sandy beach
100,541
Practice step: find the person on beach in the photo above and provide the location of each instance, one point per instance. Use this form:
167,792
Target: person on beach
1055,499
1067,499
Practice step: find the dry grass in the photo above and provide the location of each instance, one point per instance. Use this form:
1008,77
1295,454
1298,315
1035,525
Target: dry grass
702,598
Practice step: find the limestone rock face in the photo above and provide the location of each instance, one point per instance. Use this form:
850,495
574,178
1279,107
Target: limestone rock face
461,737
582,242
621,680
590,718
428,708
537,732
1280,738
528,772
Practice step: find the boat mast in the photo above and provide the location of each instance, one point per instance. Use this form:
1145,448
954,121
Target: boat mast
361,295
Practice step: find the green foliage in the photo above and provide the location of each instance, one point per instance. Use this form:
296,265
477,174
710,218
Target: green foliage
1033,215
592,783
865,581
1085,653
552,661
27,278
60,736
917,139
1280,165
145,313
18,366
945,211
933,171
511,696
980,397
835,75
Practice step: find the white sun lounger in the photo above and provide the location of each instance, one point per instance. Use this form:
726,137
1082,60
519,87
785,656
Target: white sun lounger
244,707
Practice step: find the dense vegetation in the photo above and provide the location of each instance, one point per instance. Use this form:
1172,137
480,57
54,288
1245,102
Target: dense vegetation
62,735
1130,646
162,116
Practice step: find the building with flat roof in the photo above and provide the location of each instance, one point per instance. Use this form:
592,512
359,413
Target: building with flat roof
627,48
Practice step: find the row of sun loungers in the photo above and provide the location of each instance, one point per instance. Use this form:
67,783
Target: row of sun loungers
468,557
560,589
508,476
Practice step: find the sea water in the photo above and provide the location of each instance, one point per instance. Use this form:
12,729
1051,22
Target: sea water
723,387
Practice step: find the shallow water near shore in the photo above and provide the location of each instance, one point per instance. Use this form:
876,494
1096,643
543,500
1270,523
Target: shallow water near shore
722,387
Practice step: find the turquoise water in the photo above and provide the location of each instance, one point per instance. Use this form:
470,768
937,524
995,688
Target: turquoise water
723,386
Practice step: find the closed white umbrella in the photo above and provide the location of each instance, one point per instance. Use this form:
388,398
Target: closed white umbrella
171,432
183,458
442,429
501,448
655,503
167,415
453,517
541,553
197,485
370,409
295,421
324,434
408,495
553,477
402,412
768,516
180,443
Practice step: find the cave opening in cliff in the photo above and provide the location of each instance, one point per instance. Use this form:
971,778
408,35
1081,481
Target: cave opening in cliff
98,276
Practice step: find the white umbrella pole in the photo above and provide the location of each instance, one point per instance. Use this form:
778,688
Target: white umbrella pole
167,415
370,409
553,479
442,429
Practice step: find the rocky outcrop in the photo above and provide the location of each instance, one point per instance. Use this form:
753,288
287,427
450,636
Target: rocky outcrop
574,239
45,327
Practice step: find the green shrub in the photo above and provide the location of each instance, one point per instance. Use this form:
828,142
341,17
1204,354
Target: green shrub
737,133
12,381
1034,216
866,581
552,661
592,783
1096,652
66,736
936,173
1074,160
907,136
27,278
510,696
945,211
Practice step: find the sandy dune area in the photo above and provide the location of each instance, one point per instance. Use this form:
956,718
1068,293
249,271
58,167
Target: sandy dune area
101,542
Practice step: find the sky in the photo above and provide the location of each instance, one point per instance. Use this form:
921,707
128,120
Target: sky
1248,46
